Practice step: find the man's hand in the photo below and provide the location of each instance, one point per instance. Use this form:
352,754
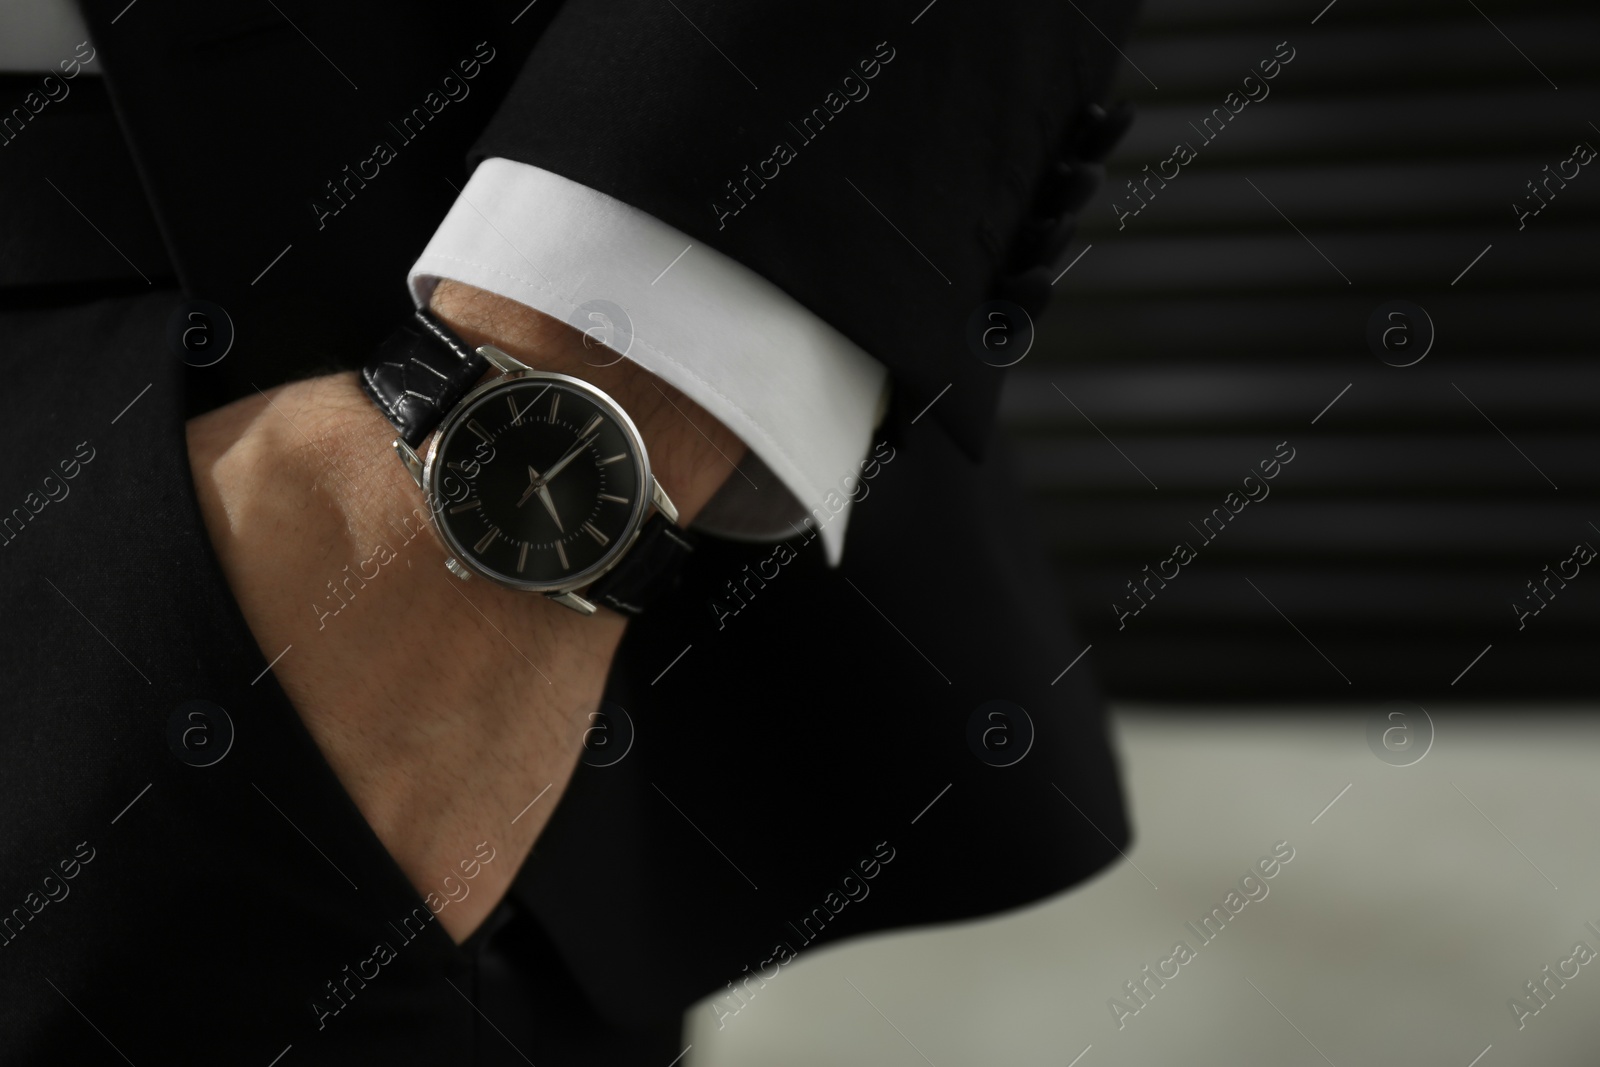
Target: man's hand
444,707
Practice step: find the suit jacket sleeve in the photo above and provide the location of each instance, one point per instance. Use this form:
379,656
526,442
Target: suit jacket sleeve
878,164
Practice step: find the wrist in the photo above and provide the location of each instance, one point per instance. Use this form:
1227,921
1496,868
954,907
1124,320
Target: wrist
435,707
440,709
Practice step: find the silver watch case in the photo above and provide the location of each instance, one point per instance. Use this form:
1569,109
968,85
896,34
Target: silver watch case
426,472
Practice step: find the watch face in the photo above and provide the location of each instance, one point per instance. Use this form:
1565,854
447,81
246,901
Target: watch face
538,481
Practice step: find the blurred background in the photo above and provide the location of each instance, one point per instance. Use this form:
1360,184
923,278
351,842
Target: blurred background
1414,908
1440,867
1208,329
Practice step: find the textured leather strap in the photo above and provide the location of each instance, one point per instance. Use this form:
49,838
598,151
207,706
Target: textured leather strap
419,373
652,567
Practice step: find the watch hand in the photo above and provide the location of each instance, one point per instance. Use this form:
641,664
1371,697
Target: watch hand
533,483
561,463
550,506
536,485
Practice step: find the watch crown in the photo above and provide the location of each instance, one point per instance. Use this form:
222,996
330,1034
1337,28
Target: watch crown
454,566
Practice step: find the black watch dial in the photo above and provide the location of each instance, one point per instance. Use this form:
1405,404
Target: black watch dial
537,482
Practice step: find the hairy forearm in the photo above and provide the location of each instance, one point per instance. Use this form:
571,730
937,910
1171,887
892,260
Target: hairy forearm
443,707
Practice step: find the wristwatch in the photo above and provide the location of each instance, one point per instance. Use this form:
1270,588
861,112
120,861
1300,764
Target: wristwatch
534,480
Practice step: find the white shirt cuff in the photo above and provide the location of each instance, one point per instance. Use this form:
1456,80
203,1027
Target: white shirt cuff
802,397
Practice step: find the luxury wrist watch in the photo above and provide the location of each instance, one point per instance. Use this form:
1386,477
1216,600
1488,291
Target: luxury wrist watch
534,480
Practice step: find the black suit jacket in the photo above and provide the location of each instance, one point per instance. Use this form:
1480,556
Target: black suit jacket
802,769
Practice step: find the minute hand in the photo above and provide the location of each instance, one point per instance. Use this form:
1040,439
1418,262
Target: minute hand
559,465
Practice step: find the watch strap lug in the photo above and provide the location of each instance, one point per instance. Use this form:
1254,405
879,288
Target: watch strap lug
573,601
408,457
502,360
663,503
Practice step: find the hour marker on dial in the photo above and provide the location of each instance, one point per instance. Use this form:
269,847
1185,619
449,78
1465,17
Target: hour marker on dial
488,539
615,499
590,529
555,405
618,458
522,557
472,424
591,426
561,554
468,506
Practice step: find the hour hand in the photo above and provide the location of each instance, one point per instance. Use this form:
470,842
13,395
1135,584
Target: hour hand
536,485
533,483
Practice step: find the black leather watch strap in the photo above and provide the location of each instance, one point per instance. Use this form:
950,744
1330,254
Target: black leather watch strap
418,374
652,566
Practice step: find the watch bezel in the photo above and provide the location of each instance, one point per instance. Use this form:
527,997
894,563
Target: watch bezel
636,518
